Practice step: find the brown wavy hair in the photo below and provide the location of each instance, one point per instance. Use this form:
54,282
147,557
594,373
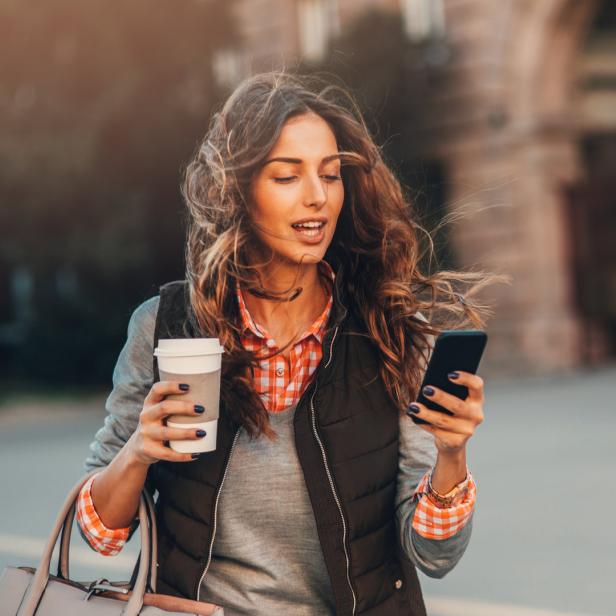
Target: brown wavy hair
377,238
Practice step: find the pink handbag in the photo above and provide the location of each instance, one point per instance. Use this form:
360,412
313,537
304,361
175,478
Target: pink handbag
25,591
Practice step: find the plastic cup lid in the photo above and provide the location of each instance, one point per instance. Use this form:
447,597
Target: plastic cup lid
188,347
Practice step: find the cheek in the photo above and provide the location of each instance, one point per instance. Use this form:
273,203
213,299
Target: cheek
271,205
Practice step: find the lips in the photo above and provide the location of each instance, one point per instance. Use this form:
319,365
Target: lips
312,235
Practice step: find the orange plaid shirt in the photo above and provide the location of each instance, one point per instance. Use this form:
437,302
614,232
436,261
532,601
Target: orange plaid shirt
281,382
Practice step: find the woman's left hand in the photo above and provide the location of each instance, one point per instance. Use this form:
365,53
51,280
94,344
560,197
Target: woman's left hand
451,432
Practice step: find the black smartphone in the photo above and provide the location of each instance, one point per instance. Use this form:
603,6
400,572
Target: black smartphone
453,350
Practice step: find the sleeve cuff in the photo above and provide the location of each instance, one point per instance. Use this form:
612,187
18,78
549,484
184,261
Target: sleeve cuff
105,540
432,522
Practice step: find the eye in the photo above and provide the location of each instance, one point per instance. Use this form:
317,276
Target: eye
286,180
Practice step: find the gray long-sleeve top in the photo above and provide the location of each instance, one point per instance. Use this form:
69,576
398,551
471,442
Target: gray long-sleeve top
247,574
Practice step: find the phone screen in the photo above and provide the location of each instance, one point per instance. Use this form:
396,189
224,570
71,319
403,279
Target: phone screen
453,350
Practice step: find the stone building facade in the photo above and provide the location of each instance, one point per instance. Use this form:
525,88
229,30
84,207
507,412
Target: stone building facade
525,129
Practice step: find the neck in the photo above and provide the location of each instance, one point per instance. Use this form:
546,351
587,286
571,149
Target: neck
279,316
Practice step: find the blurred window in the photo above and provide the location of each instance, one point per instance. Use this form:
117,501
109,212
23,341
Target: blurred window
17,308
317,20
423,19
5,298
595,100
230,66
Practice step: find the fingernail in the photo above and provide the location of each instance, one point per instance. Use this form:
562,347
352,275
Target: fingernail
194,456
199,408
184,386
453,375
428,391
201,433
413,408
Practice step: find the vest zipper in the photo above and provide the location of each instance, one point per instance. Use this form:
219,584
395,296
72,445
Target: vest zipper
209,556
329,475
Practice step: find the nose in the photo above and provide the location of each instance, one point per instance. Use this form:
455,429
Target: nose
316,191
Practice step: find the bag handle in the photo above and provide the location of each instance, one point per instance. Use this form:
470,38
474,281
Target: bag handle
63,557
40,579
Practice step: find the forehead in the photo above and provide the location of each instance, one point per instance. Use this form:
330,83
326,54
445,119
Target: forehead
305,136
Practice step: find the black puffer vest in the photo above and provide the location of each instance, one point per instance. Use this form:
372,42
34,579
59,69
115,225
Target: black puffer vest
346,435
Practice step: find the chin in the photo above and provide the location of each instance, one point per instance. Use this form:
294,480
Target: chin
307,258
303,254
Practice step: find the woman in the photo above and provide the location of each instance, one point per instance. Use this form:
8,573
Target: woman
322,495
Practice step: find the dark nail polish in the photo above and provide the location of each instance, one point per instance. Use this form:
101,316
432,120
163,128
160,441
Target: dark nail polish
199,409
184,386
201,433
453,375
428,391
194,456
413,408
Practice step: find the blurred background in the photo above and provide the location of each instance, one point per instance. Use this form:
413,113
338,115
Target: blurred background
504,112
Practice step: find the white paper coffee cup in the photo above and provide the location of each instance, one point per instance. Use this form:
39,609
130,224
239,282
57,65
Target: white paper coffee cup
196,361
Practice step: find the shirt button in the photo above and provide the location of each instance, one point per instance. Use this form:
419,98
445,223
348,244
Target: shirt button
279,371
270,343
398,584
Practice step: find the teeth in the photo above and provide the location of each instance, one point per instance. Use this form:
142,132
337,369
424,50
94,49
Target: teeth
309,225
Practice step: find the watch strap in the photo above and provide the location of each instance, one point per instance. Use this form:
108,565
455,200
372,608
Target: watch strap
453,498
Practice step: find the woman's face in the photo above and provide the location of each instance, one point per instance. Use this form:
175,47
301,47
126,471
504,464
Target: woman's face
300,182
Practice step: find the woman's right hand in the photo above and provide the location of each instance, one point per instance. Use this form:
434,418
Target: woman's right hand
146,442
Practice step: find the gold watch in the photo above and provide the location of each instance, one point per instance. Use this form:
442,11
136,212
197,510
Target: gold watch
453,498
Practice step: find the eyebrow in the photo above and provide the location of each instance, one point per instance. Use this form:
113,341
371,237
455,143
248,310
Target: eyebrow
299,161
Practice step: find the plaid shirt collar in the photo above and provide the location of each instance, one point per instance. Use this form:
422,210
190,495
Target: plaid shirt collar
317,329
